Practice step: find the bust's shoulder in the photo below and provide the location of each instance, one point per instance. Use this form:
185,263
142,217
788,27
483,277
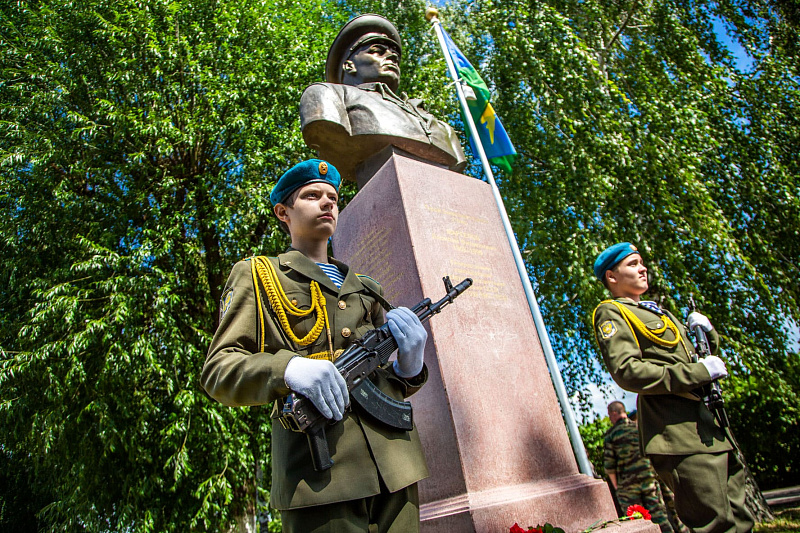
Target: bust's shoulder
325,88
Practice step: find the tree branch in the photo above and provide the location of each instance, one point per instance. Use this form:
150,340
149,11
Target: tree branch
623,25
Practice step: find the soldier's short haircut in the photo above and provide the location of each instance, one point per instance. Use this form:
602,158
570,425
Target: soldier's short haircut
288,202
616,407
604,281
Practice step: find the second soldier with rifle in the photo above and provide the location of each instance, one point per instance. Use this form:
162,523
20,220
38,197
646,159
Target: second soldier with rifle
646,349
283,321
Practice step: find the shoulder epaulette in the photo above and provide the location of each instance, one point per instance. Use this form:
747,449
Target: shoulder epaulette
375,294
369,278
598,307
251,257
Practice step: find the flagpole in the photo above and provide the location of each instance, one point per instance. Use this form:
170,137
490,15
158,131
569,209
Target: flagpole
555,374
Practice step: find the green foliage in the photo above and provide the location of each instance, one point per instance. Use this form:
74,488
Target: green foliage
768,401
633,123
139,141
19,498
787,520
593,434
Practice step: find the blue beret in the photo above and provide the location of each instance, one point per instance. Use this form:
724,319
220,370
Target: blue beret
611,256
311,171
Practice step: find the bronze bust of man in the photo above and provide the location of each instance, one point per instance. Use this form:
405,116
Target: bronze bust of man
358,112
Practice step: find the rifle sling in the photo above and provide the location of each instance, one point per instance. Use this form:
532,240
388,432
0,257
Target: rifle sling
381,300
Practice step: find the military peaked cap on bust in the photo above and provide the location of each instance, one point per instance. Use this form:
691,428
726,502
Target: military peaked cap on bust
611,256
361,30
311,171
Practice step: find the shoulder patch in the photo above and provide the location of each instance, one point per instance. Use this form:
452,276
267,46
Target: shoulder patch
608,329
225,303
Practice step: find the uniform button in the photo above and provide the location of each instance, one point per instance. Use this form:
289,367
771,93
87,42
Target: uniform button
346,332
342,305
294,301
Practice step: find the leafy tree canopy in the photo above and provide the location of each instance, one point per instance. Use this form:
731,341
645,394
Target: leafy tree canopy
634,123
140,140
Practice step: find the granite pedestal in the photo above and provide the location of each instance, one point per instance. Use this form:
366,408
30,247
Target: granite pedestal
489,420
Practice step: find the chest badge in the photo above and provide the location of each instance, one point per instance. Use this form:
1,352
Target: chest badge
608,329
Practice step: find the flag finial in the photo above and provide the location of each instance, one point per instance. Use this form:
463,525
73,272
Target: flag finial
431,13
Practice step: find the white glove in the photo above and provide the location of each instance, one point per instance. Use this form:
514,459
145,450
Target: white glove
411,338
696,319
319,381
715,366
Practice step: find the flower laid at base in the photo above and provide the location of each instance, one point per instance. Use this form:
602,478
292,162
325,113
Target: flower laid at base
634,512
546,528
637,511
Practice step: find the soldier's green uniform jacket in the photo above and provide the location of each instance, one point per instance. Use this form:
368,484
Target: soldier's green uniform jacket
621,454
238,373
673,420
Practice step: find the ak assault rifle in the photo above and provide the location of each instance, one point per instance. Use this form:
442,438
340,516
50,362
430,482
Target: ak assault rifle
711,393
356,364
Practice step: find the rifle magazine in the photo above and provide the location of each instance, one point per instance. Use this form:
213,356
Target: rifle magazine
395,414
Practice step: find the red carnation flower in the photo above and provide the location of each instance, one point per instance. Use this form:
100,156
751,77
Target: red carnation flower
516,529
637,511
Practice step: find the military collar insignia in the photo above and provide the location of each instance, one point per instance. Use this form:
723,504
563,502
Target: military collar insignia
295,260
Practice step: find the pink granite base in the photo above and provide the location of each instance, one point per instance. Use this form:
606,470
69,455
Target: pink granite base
489,419
552,503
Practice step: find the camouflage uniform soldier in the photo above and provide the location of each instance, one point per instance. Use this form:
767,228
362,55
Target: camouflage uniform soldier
666,494
669,502
631,473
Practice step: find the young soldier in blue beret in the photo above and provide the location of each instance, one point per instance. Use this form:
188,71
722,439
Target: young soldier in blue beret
646,350
283,320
